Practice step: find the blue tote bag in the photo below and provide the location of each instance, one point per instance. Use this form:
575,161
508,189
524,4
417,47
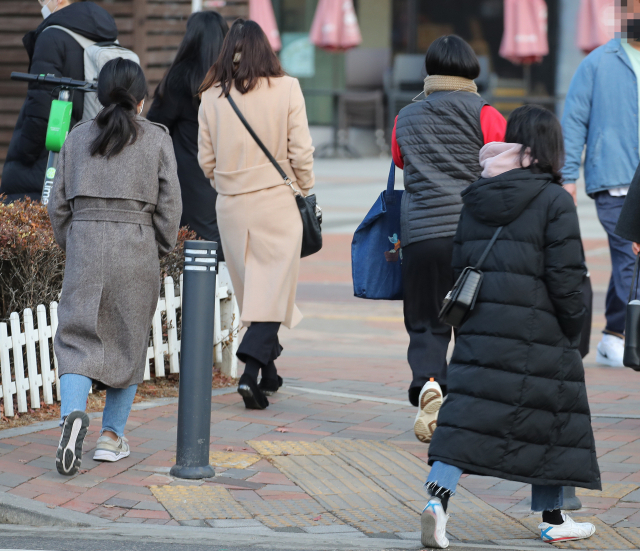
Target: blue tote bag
376,257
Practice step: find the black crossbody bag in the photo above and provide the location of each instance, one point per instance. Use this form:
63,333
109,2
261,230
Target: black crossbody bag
461,300
310,212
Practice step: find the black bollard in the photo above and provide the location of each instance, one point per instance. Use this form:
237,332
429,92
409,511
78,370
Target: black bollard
571,501
196,361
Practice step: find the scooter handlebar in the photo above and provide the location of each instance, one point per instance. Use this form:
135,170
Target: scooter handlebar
57,81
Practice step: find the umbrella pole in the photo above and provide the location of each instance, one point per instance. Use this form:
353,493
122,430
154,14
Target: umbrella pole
526,69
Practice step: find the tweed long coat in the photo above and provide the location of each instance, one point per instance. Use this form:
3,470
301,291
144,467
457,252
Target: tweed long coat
259,221
114,218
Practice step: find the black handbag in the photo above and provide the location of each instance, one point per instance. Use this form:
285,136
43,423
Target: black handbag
310,212
461,300
632,328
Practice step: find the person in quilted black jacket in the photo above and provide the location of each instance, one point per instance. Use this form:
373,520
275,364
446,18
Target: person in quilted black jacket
517,404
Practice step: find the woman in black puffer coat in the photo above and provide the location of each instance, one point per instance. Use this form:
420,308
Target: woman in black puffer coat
517,405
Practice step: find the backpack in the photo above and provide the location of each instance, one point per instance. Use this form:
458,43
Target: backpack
96,54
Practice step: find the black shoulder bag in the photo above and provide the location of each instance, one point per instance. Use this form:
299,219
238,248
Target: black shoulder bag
461,300
310,212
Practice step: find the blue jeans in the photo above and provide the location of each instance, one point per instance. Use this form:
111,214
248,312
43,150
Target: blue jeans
622,262
74,391
543,498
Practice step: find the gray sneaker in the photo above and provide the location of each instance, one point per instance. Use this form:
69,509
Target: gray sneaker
111,450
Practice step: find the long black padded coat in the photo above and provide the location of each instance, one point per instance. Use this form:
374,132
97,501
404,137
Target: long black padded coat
517,405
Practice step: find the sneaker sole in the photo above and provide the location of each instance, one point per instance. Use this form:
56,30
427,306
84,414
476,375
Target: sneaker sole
69,454
428,531
106,455
601,359
427,417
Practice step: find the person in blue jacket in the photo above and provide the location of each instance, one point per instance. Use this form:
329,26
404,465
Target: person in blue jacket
602,112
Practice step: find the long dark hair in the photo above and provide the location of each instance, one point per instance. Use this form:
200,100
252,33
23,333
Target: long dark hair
198,51
121,87
246,57
452,56
540,133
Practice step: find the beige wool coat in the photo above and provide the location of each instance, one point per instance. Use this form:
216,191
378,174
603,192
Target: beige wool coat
114,218
259,221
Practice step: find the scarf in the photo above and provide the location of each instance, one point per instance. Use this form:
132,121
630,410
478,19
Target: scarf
438,83
497,158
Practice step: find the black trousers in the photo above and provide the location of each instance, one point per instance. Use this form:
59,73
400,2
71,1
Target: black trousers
427,277
260,343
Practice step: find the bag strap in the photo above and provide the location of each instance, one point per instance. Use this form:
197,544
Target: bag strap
391,182
271,158
488,249
82,40
634,281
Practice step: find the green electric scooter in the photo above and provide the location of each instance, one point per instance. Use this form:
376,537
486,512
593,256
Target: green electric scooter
59,118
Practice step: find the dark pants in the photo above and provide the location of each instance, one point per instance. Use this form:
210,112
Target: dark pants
622,262
260,343
427,277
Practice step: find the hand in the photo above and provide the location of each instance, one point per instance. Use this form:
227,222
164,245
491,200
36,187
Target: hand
572,190
636,248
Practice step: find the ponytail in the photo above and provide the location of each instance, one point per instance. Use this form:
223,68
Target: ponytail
121,87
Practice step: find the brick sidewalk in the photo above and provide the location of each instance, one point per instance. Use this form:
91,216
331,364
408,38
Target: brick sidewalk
335,451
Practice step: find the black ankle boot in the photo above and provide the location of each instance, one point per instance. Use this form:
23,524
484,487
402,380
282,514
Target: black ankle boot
270,386
251,393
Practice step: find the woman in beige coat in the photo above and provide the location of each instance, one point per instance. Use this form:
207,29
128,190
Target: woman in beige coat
260,225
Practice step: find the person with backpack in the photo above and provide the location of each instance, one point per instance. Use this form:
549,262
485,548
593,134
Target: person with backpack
52,50
176,105
115,208
517,405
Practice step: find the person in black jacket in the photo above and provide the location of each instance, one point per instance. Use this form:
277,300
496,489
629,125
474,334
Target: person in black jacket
176,106
51,51
517,404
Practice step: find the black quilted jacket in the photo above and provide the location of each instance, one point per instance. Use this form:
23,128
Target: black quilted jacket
517,405
440,139
57,53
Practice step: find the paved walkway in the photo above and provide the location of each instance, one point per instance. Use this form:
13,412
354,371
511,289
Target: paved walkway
335,451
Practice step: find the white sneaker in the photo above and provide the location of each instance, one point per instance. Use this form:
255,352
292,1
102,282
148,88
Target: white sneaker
429,405
434,525
567,531
111,450
610,351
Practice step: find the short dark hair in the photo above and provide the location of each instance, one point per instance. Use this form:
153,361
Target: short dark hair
452,56
246,56
121,87
540,133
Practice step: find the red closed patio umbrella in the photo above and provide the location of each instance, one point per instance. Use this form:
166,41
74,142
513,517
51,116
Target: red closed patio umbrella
335,26
596,24
261,11
525,31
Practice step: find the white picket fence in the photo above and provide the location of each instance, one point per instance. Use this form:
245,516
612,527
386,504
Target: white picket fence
23,336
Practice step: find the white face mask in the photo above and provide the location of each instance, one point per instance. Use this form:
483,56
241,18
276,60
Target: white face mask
45,11
141,108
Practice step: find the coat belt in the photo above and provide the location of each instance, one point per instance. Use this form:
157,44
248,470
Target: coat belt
114,215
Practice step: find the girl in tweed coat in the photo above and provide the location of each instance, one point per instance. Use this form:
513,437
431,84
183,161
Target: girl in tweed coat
115,207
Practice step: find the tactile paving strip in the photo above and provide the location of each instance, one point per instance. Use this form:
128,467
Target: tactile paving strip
277,507
604,538
609,489
233,460
631,534
300,521
376,520
269,448
199,502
